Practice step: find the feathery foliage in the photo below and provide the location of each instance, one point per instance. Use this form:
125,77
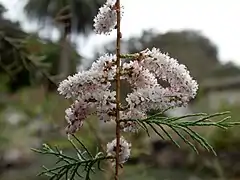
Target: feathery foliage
183,125
69,167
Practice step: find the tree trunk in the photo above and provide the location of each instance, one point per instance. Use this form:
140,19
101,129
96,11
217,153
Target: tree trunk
64,66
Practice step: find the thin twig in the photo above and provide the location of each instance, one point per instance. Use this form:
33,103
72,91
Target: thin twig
117,5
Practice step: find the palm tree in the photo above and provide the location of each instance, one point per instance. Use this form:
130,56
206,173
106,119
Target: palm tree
69,16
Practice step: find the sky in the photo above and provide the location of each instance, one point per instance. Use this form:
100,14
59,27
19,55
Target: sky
216,19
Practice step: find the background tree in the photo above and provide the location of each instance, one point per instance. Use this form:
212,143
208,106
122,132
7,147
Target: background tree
21,54
69,16
10,60
49,51
228,69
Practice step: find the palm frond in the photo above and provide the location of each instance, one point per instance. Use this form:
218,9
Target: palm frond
82,12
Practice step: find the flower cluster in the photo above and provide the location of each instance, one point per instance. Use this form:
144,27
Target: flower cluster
106,19
125,149
92,90
93,94
75,116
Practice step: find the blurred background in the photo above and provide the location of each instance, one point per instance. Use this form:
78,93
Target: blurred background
43,41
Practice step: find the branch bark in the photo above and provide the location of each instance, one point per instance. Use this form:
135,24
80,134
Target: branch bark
118,98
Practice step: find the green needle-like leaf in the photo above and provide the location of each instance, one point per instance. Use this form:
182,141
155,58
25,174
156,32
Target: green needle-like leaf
69,165
184,124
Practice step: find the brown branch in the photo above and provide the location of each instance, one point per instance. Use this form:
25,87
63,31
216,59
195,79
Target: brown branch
118,107
63,18
64,10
